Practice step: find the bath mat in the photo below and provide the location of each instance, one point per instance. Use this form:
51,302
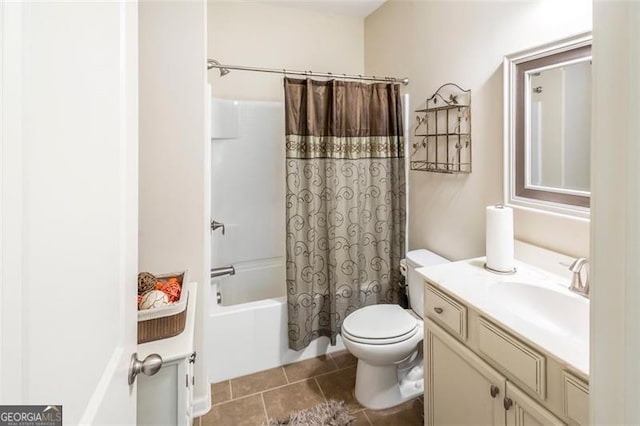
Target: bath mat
331,413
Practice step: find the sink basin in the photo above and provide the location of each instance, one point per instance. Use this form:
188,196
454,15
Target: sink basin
558,311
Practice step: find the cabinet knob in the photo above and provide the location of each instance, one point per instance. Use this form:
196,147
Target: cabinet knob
438,310
149,366
494,391
507,402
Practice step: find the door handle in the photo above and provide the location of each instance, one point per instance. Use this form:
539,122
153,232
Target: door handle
149,366
215,225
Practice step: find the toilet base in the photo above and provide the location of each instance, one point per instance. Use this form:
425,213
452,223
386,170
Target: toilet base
380,387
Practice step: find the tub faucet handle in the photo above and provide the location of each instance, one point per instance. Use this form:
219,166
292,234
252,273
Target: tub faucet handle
215,225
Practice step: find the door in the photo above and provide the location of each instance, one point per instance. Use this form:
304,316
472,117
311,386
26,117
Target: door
68,207
525,411
461,389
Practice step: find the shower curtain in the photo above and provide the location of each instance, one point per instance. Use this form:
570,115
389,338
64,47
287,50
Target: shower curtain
345,195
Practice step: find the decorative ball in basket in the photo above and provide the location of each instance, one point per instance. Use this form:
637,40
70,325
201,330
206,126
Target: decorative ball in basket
162,305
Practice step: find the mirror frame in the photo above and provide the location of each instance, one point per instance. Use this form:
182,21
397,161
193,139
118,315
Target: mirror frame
515,68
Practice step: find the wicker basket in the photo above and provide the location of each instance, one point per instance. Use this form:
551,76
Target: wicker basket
168,321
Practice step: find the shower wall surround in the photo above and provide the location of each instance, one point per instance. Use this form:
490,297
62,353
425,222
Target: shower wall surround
247,195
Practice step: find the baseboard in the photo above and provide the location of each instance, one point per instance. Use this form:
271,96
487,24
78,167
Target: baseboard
201,405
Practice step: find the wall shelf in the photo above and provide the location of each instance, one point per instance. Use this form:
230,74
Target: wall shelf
444,131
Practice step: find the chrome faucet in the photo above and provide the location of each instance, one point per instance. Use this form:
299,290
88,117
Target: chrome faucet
577,285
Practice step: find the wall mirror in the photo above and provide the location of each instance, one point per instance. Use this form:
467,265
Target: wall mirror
548,127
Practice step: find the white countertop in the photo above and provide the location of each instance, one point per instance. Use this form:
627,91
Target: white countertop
468,281
179,346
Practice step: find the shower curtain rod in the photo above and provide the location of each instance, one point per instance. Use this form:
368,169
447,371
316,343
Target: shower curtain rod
224,69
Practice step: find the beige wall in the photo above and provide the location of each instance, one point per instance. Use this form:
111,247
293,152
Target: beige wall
174,151
435,42
261,35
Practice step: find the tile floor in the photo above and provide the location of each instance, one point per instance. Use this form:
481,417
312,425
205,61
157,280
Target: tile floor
250,400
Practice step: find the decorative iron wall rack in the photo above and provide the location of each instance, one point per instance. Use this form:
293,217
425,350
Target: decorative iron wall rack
442,137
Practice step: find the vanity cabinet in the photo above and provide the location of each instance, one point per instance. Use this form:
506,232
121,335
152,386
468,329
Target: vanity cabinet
486,376
462,389
166,398
524,411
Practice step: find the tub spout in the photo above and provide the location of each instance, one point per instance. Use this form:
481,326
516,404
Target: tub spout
223,271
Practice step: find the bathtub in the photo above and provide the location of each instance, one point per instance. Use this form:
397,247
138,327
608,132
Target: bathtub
251,337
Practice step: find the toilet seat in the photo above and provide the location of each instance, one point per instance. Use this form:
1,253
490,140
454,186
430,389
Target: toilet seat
387,341
380,325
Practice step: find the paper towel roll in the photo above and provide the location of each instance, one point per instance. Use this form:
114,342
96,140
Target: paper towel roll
499,241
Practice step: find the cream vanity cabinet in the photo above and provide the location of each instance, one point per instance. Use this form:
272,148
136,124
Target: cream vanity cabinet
476,373
166,398
461,388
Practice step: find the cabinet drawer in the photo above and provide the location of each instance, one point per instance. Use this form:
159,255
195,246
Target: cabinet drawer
523,362
576,398
446,311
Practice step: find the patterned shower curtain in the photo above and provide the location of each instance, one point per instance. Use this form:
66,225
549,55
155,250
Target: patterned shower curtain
345,202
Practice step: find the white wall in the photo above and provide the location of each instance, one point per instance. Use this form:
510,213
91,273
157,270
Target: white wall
262,35
174,150
615,286
435,42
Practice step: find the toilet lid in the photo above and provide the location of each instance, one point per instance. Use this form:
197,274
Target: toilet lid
383,322
422,257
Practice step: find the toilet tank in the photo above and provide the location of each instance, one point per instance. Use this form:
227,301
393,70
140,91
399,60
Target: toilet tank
415,282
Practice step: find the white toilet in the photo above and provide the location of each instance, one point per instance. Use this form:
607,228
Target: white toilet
387,340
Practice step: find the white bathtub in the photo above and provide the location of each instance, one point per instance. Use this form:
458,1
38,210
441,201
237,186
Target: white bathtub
251,337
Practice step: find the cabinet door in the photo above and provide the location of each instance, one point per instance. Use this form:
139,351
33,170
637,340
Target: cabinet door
461,389
525,411
163,398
